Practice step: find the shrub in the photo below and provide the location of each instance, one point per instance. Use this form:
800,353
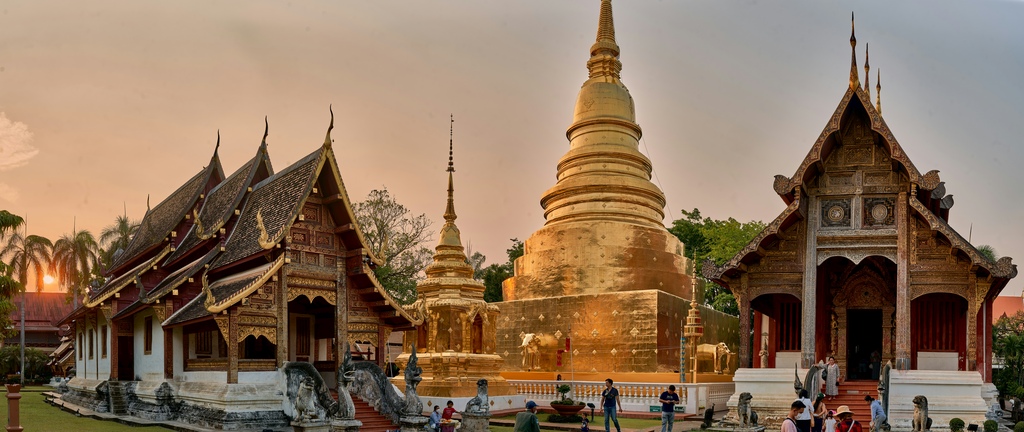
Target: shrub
991,426
956,425
555,418
1019,427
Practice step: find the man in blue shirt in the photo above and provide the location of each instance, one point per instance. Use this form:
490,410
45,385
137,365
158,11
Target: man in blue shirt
668,400
878,418
611,399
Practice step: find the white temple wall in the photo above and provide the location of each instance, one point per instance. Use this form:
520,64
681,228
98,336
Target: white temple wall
149,365
96,366
177,338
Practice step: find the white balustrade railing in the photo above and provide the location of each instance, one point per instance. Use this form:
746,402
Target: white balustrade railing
635,396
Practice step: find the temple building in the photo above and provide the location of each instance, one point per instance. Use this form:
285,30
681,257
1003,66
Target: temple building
603,271
225,281
455,342
863,265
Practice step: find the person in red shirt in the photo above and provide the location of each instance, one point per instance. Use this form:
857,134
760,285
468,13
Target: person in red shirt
447,415
846,421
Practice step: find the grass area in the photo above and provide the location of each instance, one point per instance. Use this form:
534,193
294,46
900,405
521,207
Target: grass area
598,423
36,415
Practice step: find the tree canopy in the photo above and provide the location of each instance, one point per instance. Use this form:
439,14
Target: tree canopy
396,236
719,240
494,274
1008,345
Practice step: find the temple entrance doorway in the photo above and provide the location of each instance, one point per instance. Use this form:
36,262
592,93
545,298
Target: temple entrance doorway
863,343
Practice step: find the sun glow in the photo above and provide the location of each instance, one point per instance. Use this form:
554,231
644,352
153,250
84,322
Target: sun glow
48,279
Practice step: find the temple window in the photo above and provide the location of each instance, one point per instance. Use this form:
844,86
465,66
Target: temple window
477,335
92,346
147,334
257,348
103,341
81,346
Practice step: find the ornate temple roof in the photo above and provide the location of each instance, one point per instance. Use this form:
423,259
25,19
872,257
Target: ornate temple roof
158,222
272,207
115,285
220,203
185,274
224,293
930,201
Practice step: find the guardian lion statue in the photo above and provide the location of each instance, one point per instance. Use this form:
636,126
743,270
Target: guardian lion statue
747,416
480,404
305,402
921,422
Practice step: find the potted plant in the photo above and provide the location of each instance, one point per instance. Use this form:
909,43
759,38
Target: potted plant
566,406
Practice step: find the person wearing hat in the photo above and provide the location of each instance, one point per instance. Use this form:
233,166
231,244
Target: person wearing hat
846,421
526,421
789,423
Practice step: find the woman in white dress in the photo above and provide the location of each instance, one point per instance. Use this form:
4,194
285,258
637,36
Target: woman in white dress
831,378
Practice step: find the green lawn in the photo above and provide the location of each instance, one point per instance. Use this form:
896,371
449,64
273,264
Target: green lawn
36,415
597,424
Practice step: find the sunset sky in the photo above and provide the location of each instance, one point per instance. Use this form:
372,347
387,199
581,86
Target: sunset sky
104,102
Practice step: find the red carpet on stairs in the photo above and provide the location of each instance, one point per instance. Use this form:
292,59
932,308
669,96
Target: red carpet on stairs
373,421
851,393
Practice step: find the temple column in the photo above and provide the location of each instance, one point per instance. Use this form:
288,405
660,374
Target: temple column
743,300
232,342
902,282
810,285
977,292
841,330
341,313
282,317
887,332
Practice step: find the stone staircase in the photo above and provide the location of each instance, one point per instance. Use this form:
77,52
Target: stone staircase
851,393
118,398
373,421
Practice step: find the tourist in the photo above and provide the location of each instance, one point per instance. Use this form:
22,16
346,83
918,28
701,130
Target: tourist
558,378
877,414
819,413
831,379
789,423
668,400
803,420
611,399
447,415
846,422
830,421
435,419
526,421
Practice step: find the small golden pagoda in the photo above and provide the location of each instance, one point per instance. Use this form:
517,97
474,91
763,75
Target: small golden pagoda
455,344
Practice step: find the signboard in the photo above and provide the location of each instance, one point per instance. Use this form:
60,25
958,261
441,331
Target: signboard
657,408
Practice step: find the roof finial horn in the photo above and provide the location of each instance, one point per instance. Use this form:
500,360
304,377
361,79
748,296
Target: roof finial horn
878,92
266,129
854,79
217,147
867,71
327,139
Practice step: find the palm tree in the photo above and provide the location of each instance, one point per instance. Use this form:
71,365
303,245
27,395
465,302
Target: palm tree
74,257
8,285
115,237
26,254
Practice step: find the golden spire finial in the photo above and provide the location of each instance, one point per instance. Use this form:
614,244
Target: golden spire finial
266,130
217,147
327,139
449,212
604,54
878,92
854,79
867,71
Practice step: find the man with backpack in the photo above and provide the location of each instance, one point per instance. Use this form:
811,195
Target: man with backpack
789,423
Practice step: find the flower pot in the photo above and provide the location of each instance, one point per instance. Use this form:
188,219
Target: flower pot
567,410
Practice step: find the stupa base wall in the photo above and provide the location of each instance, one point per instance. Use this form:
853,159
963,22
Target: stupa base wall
618,332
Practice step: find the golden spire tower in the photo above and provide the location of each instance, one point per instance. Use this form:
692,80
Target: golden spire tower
455,343
603,264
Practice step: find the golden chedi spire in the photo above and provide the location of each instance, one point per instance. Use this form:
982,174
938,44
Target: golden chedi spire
867,70
604,219
878,92
449,256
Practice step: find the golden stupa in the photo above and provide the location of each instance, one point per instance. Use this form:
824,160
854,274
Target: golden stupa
455,344
603,270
